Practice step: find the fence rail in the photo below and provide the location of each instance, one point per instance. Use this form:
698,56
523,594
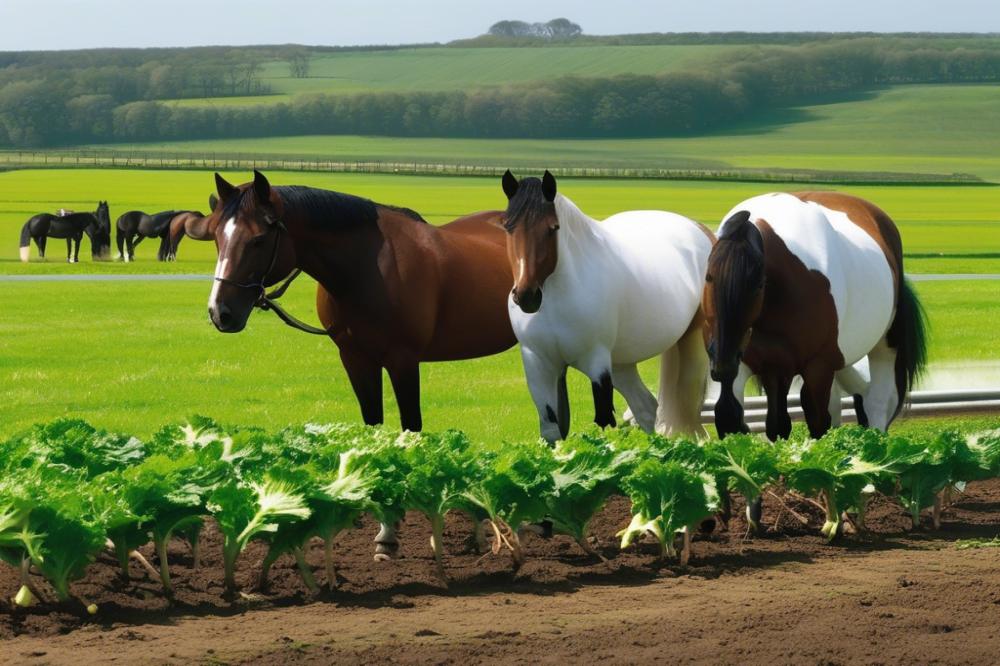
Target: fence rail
920,403
238,161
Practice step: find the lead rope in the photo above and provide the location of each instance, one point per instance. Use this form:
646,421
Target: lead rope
268,301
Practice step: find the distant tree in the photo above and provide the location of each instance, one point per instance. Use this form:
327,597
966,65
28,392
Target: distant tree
511,29
298,64
562,28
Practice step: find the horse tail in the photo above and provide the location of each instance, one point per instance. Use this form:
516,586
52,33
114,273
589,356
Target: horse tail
26,241
908,336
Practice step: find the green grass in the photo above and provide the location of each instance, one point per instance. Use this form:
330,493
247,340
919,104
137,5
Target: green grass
434,69
912,129
132,356
949,220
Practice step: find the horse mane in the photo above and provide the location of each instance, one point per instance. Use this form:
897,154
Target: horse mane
528,205
159,218
736,264
334,210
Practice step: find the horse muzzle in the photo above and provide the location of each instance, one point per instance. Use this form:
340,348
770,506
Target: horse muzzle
225,320
529,300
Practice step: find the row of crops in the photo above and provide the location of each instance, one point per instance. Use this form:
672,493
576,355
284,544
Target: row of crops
69,491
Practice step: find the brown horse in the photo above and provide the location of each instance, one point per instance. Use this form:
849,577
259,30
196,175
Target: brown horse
811,284
393,290
193,225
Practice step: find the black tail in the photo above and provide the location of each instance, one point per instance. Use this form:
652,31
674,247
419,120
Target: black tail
25,240
908,336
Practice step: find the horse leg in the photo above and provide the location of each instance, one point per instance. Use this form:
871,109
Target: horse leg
562,412
120,242
365,376
405,378
853,380
69,250
882,398
598,368
130,246
41,241
683,379
640,401
544,377
817,384
779,424
76,248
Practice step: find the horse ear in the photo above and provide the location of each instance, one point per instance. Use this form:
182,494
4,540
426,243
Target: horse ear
549,186
223,187
738,227
509,184
261,188
755,239
213,201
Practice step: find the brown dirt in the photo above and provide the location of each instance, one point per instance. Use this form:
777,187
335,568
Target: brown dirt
886,597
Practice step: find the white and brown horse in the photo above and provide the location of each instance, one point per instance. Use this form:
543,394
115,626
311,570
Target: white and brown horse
811,284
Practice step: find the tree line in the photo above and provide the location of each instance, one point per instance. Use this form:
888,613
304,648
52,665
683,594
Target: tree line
721,92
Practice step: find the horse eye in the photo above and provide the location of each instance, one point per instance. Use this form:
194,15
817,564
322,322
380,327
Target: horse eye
708,278
553,229
257,240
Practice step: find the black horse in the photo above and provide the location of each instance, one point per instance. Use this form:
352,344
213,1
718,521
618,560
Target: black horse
72,227
134,226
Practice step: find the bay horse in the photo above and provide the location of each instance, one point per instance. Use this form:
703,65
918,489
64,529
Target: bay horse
193,225
811,284
71,226
616,293
393,292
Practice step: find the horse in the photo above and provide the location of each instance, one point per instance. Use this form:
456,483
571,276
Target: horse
135,226
811,284
72,227
193,225
393,291
615,293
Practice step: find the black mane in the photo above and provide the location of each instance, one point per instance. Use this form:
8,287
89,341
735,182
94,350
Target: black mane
736,265
334,210
528,205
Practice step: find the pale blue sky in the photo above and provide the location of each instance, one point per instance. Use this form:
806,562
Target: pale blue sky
50,24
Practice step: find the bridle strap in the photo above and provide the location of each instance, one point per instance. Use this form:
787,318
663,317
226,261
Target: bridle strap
268,301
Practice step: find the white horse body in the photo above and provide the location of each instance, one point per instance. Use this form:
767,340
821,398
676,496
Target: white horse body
622,291
862,286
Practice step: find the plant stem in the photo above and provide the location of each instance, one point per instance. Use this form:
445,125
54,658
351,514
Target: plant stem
305,571
161,553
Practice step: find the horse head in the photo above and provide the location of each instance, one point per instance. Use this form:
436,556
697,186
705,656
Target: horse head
532,225
100,233
255,251
733,295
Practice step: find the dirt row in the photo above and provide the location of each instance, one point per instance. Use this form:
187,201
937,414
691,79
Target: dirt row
889,596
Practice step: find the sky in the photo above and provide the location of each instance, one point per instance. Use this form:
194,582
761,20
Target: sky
68,24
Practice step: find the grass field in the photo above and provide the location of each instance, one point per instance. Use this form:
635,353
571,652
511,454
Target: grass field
923,129
433,69
953,221
135,355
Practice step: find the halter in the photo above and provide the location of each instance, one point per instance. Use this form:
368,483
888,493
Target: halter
267,301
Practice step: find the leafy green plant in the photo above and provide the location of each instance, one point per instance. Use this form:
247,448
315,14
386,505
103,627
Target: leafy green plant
746,464
667,498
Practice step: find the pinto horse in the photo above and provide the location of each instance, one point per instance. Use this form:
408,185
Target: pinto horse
811,284
615,293
71,226
393,290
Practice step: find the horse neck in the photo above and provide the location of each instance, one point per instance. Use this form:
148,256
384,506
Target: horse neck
339,260
579,236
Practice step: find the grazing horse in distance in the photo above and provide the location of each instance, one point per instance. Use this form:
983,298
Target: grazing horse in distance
135,226
72,227
811,284
394,291
193,225
601,297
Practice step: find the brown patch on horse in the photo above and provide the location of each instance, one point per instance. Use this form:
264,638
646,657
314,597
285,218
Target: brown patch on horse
795,299
872,219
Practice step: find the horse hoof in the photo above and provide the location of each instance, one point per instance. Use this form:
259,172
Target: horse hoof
382,557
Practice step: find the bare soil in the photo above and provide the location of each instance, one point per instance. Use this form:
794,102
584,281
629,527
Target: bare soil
889,596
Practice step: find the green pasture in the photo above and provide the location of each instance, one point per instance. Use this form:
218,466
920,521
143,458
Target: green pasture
956,224
434,69
133,355
939,129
